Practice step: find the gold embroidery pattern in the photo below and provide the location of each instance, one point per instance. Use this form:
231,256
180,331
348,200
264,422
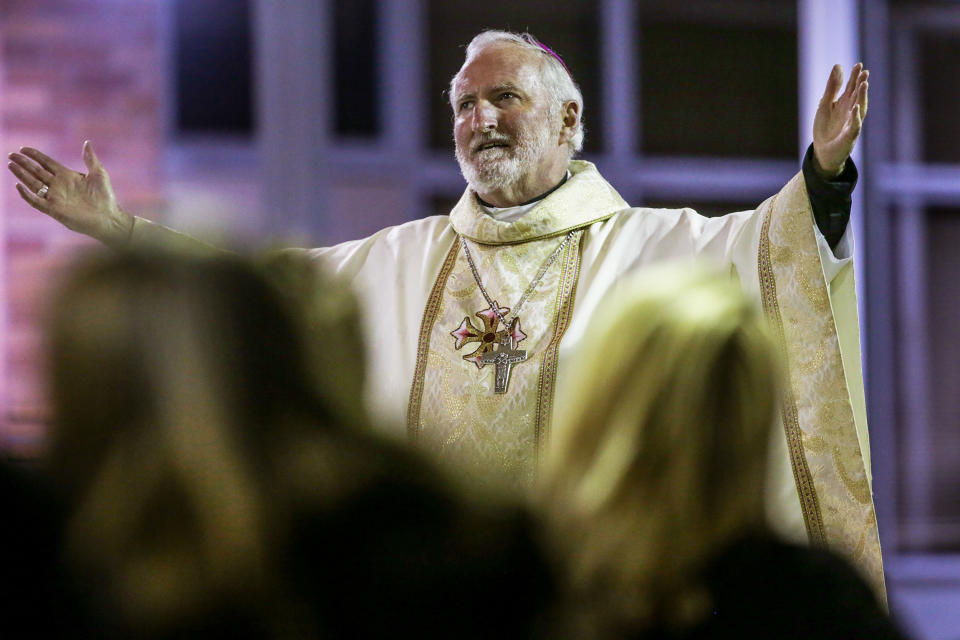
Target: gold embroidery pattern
548,368
798,299
487,440
585,198
809,504
423,343
859,491
546,236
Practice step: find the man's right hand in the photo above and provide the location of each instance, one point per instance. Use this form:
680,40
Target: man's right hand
83,202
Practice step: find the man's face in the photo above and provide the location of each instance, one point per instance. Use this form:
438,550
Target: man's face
503,126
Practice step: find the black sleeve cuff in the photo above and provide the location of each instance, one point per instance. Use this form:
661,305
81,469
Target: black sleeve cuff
830,199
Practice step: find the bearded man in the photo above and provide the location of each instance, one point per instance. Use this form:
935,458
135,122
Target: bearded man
472,344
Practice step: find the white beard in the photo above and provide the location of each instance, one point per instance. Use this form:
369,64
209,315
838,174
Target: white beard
504,167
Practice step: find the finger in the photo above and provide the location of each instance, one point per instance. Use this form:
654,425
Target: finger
848,100
856,102
861,80
44,160
862,99
90,157
849,95
32,199
833,84
31,167
24,176
851,128
852,82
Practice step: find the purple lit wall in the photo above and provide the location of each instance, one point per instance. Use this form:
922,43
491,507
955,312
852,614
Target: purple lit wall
69,70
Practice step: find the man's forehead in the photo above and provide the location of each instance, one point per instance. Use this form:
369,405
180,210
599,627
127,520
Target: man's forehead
498,66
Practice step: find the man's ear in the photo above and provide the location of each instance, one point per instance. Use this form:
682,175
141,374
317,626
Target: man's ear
570,114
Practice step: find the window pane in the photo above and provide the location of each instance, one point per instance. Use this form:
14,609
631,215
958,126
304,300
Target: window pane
355,54
213,67
939,62
721,85
939,529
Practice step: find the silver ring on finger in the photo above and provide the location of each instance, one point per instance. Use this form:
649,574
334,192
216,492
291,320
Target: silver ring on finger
42,191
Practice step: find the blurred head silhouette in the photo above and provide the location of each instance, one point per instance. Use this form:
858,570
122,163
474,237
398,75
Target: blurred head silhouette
660,460
179,383
211,443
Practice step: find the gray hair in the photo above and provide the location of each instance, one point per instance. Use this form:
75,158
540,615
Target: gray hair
554,76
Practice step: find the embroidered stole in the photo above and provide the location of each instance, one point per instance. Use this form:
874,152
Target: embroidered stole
817,412
492,439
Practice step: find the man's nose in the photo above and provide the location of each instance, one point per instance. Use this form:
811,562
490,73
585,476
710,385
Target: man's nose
484,117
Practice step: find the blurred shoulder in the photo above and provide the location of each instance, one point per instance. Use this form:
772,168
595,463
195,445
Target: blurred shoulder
782,590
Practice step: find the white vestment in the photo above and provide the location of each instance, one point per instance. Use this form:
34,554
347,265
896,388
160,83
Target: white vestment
417,289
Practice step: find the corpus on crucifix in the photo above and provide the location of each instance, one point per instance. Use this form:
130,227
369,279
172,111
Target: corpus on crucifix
503,358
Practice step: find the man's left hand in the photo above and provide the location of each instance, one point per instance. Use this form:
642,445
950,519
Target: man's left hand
837,124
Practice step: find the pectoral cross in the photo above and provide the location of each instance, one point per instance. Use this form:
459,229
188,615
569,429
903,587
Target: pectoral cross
489,338
503,358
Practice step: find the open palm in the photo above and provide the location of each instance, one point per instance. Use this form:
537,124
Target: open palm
837,123
83,202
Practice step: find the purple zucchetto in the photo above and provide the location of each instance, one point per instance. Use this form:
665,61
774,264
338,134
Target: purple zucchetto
532,40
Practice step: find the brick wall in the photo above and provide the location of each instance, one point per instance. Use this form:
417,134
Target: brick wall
70,70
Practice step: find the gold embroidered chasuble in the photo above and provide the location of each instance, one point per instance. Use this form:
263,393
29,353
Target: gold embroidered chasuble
453,410
417,289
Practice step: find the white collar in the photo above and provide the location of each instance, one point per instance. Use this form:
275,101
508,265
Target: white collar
514,213
582,200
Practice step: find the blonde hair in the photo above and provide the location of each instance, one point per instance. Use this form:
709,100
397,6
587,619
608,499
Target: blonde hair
179,382
659,459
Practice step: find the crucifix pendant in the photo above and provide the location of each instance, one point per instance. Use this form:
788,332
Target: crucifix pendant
503,359
496,346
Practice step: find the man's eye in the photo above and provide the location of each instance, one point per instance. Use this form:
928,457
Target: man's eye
506,95
466,104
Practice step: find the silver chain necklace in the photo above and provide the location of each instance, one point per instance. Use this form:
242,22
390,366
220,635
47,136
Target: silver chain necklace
510,335
515,312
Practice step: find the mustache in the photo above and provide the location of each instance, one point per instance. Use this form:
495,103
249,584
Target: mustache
487,137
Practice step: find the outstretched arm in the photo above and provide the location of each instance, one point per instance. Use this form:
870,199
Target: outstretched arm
837,123
82,202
